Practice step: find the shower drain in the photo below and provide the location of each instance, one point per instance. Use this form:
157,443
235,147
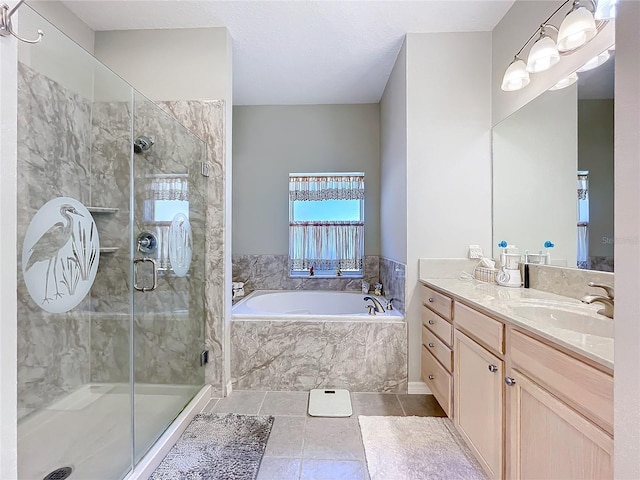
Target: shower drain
59,474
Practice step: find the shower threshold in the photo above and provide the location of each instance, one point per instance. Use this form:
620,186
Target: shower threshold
90,429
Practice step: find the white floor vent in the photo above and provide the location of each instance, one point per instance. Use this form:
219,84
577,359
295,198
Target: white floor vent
330,403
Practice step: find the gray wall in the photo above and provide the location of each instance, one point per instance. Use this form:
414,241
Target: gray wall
595,153
169,64
448,157
535,158
269,142
393,163
627,248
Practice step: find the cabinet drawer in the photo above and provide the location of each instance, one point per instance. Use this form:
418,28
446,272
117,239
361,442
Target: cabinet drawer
438,349
437,379
438,325
580,385
488,331
437,302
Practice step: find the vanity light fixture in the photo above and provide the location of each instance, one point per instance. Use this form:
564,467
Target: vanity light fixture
565,82
543,54
577,29
595,62
516,76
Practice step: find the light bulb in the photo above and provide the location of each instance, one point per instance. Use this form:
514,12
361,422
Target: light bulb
577,28
543,55
516,76
565,82
595,62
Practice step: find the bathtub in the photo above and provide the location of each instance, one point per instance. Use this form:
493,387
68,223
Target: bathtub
300,340
307,305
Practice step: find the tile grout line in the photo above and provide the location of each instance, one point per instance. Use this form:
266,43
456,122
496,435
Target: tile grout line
304,436
261,404
404,413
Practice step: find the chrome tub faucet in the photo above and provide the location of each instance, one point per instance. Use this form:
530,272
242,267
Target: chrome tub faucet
377,305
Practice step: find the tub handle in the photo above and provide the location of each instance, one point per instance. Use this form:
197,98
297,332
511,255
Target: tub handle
372,309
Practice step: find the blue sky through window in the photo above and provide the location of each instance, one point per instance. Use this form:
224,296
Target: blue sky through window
326,210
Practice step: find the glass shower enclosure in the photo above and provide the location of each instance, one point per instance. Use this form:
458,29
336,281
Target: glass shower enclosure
111,226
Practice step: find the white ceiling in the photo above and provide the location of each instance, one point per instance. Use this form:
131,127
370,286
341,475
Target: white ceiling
303,52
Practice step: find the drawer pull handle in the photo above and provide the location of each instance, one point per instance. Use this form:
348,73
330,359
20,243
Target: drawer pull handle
431,345
431,322
510,381
493,368
431,377
431,300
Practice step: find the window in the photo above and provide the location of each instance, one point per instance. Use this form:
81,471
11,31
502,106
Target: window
326,224
166,196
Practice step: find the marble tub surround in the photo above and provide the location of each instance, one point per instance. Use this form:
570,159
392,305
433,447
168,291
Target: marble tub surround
366,356
569,282
392,276
271,272
592,339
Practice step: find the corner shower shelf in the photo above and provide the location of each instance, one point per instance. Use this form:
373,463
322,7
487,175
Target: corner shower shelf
102,210
108,249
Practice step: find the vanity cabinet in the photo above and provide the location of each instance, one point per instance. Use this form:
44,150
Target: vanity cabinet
560,414
478,385
437,343
478,401
526,407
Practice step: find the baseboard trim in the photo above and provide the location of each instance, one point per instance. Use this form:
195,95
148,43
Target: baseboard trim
414,388
152,459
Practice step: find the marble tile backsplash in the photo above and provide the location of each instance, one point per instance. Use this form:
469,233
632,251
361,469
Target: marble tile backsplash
570,282
271,272
392,276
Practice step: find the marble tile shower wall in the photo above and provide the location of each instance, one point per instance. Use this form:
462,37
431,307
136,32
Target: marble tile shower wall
69,146
53,349
168,322
392,276
271,272
206,119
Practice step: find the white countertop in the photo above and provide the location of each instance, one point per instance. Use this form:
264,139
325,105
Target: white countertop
502,301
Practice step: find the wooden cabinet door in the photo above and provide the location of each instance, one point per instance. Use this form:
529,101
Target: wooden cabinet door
550,440
478,404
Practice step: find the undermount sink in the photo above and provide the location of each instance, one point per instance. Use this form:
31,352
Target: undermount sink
566,316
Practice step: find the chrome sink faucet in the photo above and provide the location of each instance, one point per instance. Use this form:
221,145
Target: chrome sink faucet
378,306
607,300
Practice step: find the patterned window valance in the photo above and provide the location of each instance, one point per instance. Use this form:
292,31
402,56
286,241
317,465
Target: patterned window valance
326,187
168,187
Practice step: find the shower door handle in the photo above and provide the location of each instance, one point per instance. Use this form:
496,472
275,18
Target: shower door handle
154,269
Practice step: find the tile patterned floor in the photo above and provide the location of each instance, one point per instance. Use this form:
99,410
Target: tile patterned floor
301,447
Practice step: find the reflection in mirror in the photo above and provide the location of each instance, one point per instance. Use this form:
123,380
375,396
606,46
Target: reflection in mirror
553,174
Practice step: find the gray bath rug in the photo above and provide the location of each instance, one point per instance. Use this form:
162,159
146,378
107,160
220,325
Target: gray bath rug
414,448
217,446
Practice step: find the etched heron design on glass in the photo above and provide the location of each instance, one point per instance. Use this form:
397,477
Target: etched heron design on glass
48,246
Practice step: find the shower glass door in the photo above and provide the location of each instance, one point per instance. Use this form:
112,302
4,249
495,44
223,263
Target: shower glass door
168,253
103,368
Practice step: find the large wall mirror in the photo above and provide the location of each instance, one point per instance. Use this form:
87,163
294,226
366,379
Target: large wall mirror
553,174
